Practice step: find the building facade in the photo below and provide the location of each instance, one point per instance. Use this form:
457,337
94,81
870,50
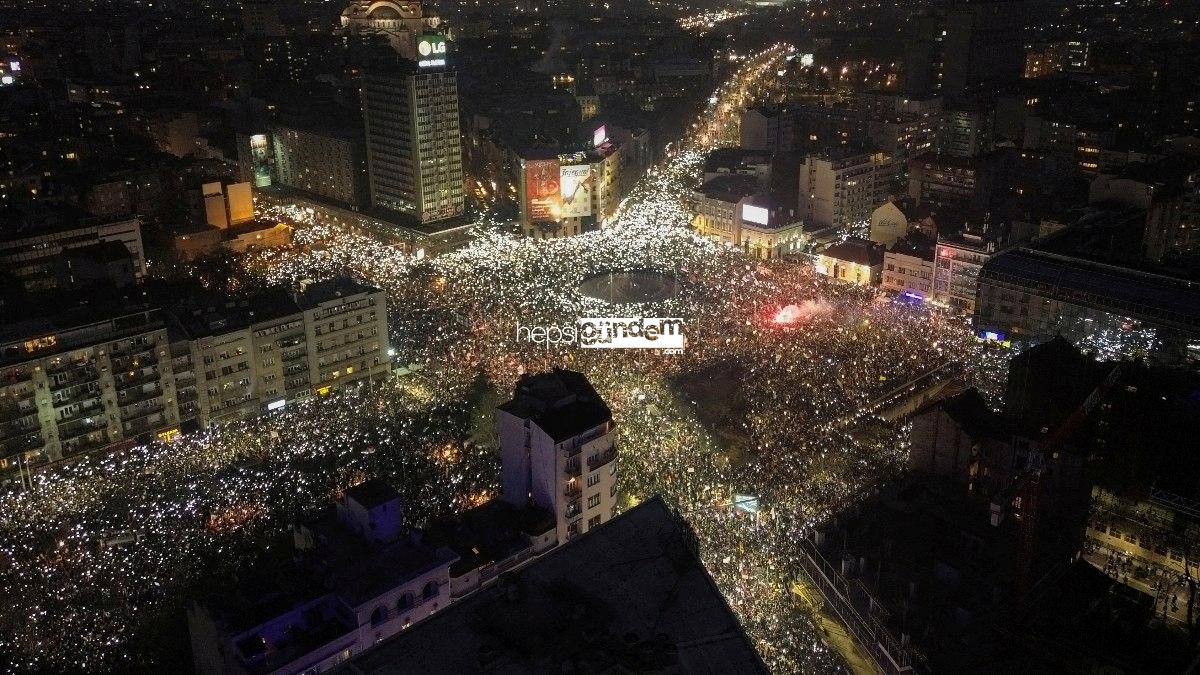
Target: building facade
414,140
65,391
557,443
125,376
1028,295
956,269
858,261
324,163
30,255
908,266
767,129
842,189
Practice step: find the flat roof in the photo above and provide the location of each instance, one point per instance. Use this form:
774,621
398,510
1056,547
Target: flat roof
561,403
209,313
730,188
359,570
629,596
330,289
1139,294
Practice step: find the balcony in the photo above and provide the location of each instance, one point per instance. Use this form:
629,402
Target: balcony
573,468
141,423
85,445
134,361
573,489
74,375
31,440
136,397
597,461
82,413
19,395
13,431
15,376
340,361
573,509
10,412
140,377
70,431
78,395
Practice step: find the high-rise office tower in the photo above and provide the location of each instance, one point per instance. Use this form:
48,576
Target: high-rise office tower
414,142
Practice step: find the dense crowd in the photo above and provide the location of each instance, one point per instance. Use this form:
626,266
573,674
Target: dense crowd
770,398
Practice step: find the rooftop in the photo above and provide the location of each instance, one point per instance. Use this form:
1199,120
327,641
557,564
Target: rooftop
102,252
1119,289
858,251
490,532
732,188
359,570
731,159
914,244
971,412
207,313
561,403
111,319
330,289
630,596
373,493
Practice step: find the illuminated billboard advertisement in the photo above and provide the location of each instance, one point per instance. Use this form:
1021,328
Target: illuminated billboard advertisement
432,49
541,189
599,136
754,214
576,190
260,160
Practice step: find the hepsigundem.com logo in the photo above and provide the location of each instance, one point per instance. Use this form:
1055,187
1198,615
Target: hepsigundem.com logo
609,333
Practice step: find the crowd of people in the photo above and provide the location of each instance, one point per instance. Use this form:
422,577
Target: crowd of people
100,549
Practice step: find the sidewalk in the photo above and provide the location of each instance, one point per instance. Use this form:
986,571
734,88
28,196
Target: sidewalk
832,632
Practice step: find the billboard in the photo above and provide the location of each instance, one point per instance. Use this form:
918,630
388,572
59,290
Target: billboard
432,49
599,136
542,190
575,184
754,214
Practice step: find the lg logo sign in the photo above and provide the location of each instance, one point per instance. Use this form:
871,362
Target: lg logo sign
429,48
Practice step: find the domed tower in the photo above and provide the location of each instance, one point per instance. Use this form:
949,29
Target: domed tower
401,21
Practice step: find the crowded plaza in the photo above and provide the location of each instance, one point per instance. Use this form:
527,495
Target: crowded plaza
759,428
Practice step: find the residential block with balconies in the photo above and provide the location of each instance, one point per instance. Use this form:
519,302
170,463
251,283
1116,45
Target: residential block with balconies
101,373
557,443
78,380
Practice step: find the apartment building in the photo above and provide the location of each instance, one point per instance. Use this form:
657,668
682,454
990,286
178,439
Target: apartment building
80,380
842,188
345,328
908,266
30,253
245,354
557,447
960,257
91,377
258,354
